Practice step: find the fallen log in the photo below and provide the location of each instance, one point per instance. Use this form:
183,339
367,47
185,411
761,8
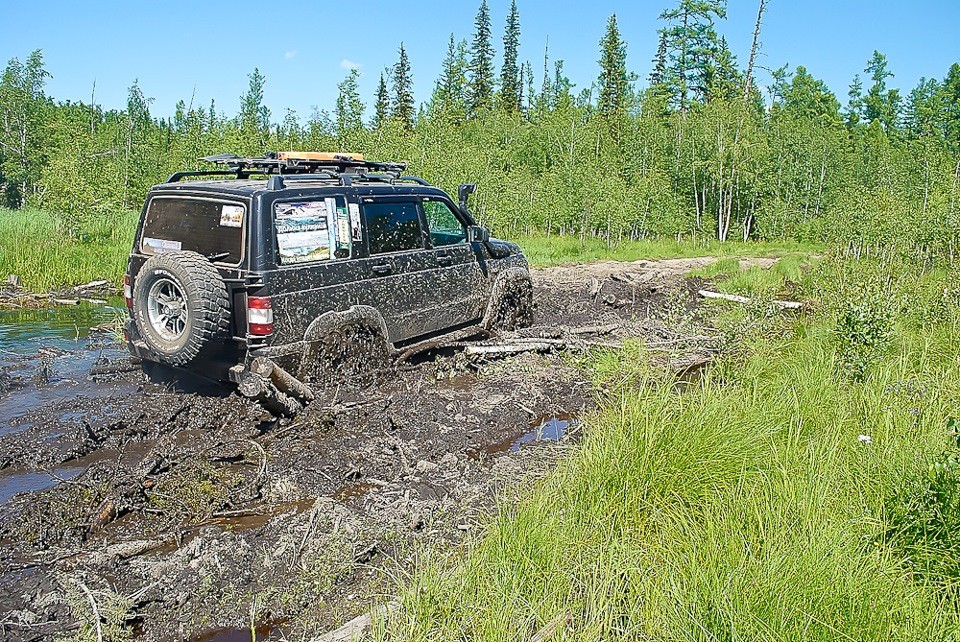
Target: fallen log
283,380
261,390
91,285
540,346
783,305
123,365
356,628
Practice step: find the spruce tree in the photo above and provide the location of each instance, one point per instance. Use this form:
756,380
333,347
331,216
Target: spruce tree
402,105
880,103
254,115
692,48
854,110
451,85
510,84
480,89
613,79
659,72
381,108
349,107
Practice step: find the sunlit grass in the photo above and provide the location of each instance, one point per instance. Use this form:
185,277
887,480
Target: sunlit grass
752,507
36,247
542,251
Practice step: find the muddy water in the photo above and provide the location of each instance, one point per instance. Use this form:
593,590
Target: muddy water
45,356
545,428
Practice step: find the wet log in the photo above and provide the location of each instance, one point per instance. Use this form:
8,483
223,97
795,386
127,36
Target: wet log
783,305
283,380
123,365
91,285
517,348
262,391
356,628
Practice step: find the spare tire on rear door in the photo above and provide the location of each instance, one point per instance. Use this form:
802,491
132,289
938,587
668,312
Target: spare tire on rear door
180,306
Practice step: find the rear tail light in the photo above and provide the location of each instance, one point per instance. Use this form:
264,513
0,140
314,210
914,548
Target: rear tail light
259,315
127,292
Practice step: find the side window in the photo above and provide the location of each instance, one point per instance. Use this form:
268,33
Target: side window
315,230
445,228
392,227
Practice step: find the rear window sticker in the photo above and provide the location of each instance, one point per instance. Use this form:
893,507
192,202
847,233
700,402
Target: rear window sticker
355,221
231,216
303,247
306,231
159,246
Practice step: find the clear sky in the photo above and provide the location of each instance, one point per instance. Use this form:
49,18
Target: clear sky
178,48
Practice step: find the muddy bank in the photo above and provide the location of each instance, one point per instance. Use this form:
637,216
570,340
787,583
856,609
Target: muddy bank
156,514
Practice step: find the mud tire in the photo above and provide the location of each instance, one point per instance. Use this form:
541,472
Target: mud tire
205,304
514,306
349,351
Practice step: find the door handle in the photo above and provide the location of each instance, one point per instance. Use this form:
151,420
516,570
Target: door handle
444,259
382,269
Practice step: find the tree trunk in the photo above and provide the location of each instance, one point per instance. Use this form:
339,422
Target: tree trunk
754,48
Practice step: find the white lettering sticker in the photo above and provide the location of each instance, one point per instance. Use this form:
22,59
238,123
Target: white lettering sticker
159,246
231,216
355,220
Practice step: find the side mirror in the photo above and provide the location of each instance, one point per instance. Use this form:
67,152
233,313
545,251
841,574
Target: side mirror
464,192
477,234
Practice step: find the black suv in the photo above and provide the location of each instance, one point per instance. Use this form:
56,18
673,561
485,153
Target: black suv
268,273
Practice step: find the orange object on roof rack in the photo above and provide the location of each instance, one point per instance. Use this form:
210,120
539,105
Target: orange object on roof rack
320,156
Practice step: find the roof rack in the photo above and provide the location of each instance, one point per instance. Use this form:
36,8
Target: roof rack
278,166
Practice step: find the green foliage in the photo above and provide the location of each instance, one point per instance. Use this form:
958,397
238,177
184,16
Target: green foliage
862,336
923,521
402,107
511,88
35,247
613,81
480,86
349,110
688,158
743,509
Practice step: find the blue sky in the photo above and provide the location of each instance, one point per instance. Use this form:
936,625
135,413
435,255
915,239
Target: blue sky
206,49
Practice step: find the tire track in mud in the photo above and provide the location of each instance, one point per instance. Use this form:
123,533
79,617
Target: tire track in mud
188,514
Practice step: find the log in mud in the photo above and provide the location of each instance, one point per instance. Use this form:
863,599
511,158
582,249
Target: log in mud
129,508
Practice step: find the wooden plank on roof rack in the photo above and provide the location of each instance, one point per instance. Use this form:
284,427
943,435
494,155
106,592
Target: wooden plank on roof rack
319,156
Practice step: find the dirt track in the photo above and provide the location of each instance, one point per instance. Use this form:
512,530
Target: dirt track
187,514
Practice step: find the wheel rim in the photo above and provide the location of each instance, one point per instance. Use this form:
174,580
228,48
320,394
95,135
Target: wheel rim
167,309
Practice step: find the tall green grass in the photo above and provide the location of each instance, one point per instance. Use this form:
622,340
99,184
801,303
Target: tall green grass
36,247
765,504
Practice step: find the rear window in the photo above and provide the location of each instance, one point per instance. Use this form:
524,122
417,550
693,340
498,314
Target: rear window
211,228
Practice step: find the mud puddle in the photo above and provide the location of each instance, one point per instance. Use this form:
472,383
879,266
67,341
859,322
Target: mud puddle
192,514
542,429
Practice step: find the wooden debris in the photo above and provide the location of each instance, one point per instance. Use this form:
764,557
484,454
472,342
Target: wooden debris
91,285
356,628
516,348
283,380
783,305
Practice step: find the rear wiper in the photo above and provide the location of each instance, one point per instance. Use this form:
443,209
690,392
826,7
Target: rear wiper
219,256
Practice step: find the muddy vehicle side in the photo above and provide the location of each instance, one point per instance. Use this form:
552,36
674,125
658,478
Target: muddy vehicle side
404,264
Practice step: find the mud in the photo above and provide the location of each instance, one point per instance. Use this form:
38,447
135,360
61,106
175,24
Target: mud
194,515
